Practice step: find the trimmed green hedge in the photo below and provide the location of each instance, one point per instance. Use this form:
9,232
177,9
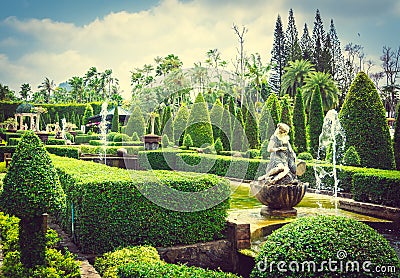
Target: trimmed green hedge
161,159
112,209
54,141
84,139
235,167
13,141
109,143
67,151
377,186
110,150
163,270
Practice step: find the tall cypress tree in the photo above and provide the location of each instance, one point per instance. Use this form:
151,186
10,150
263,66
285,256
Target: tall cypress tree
336,53
293,51
318,38
306,45
238,134
274,107
396,139
115,120
299,123
316,120
363,117
168,127
264,123
278,59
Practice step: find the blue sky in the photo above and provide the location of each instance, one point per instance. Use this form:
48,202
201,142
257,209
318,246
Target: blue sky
62,39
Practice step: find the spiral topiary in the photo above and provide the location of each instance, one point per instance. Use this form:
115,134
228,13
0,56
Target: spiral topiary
325,246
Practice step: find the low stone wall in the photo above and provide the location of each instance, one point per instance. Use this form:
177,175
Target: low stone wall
389,213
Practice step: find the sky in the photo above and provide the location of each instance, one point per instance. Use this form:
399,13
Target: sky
62,39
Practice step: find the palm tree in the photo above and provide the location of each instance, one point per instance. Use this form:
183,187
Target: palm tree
328,89
77,87
25,91
256,73
294,75
48,86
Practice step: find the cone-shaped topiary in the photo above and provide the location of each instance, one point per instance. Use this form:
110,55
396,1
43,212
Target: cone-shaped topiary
299,123
167,126
274,108
396,139
325,246
218,146
180,122
266,124
187,141
287,112
31,188
351,157
115,120
238,134
251,126
363,118
135,123
86,115
316,120
226,132
216,118
199,124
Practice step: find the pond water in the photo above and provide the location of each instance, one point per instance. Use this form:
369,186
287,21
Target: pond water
245,208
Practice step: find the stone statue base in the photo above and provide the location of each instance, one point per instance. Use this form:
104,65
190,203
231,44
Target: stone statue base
269,212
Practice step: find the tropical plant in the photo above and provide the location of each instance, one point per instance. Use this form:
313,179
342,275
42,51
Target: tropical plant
328,90
294,75
47,86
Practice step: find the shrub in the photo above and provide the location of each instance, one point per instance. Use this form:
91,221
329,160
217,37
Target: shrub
13,141
305,156
322,239
165,141
299,123
238,134
363,118
53,141
134,197
168,127
226,132
316,120
218,146
264,149
115,120
121,138
251,126
216,118
20,196
252,153
135,137
84,139
396,139
87,114
351,157
286,114
110,136
180,122
135,123
199,125
67,151
187,141
107,264
274,108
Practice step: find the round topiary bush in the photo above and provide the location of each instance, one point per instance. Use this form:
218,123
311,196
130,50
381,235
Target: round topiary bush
325,246
120,137
305,156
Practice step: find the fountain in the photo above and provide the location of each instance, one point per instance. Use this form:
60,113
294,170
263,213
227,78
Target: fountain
279,189
332,138
103,131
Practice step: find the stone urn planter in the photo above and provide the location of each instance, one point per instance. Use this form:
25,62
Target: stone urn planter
151,141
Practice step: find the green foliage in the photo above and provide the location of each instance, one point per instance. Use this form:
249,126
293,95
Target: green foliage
238,134
266,124
135,137
84,139
377,186
199,125
274,108
111,150
115,120
187,141
168,124
87,114
218,145
67,151
216,118
161,269
305,156
396,139
110,136
120,137
251,127
20,192
13,141
299,123
108,263
363,118
95,190
180,122
54,141
264,149
164,141
319,239
316,121
226,132
351,157
287,114
164,159
135,123
252,153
